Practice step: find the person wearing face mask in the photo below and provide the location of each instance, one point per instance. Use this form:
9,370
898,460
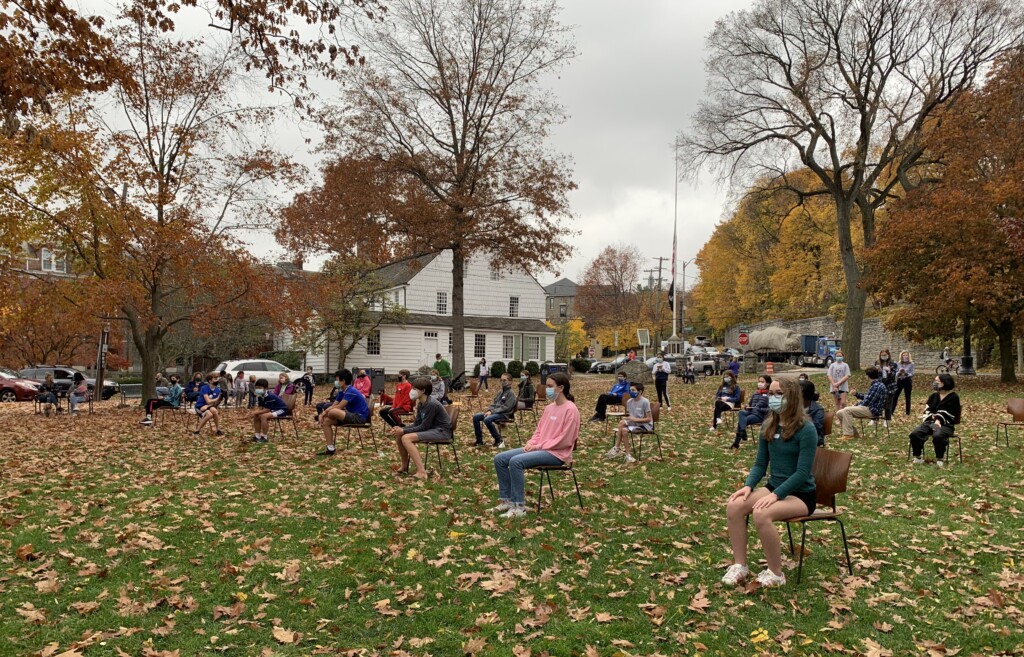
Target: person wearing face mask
172,399
871,405
193,386
734,367
887,368
754,413
726,398
614,396
401,403
432,424
839,380
941,415
904,379
551,444
527,393
660,371
485,371
362,383
206,405
502,408
349,407
788,443
813,409
638,418
439,390
268,405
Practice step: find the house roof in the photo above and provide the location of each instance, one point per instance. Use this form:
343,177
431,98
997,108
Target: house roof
561,288
505,324
403,271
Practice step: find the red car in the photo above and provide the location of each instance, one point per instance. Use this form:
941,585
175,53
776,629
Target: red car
15,389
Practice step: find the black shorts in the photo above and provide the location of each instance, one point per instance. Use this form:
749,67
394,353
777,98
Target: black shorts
810,498
351,418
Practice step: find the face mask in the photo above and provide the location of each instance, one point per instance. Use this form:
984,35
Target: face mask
260,392
659,361
727,380
337,384
883,358
905,359
550,392
936,385
433,377
762,386
839,359
803,378
414,395
634,394
522,377
776,403
362,376
506,385
621,380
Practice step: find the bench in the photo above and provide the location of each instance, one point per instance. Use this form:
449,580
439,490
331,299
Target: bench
130,391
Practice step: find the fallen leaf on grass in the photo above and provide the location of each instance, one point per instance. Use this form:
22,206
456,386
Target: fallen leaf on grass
285,636
700,602
84,608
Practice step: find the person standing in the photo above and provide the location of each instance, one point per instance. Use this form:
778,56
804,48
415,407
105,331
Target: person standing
661,371
308,384
240,388
904,379
839,380
432,424
444,370
888,377
485,372
942,414
734,367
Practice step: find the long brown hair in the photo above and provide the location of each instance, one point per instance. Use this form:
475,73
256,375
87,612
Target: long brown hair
793,415
562,379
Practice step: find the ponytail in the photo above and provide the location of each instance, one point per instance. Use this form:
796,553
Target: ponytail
562,379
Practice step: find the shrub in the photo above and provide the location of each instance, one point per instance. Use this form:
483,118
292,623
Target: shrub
476,370
497,368
290,359
580,365
424,370
514,368
532,367
138,379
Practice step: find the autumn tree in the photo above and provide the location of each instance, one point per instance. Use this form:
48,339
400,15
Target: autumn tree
570,339
607,298
144,193
451,112
848,89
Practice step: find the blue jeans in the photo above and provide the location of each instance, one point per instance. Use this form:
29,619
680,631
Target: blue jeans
74,401
511,467
748,417
489,421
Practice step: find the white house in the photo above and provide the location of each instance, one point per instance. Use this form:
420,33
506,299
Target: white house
504,318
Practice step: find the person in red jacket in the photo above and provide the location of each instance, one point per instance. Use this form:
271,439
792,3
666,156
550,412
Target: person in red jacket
400,404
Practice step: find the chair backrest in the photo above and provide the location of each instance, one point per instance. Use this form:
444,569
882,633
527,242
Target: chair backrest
474,386
743,397
831,470
289,401
827,424
655,412
453,415
541,395
1015,407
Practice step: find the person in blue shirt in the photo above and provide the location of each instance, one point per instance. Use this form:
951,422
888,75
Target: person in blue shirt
206,405
171,399
726,398
871,406
349,407
614,396
268,405
755,412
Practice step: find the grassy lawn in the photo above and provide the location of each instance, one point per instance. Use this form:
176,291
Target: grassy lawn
120,540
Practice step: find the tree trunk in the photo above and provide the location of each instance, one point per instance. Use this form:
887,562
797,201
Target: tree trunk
1004,331
458,309
856,296
149,352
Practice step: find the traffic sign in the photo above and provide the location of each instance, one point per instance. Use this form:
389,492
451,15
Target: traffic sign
744,340
592,352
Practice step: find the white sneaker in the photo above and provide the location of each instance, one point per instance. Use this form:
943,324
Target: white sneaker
712,429
918,461
736,574
940,464
502,507
885,423
766,578
629,459
871,423
668,408
517,511
613,453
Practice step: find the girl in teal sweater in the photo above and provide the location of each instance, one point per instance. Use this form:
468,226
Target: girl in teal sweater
788,442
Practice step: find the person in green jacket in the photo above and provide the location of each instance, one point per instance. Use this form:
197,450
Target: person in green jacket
444,370
788,442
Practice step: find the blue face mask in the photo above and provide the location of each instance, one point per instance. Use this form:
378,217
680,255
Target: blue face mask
551,393
337,384
839,359
776,403
634,394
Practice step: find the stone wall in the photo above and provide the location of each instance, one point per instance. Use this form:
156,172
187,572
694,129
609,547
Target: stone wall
874,338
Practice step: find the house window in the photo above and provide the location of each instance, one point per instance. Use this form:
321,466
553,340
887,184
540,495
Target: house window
563,310
449,342
52,263
396,297
533,348
507,347
442,303
551,303
430,334
479,345
373,344
513,306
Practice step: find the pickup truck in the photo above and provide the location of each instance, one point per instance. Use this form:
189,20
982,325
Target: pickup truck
700,364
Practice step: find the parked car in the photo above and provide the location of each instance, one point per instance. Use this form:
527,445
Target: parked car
695,350
63,376
671,361
14,388
700,364
711,352
609,368
261,367
735,353
595,365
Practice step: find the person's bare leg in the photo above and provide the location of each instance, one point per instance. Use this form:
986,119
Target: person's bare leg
216,419
736,514
202,422
403,454
764,522
627,444
264,423
409,441
619,433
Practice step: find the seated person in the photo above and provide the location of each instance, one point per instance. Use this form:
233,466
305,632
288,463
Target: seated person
639,418
502,408
171,400
755,412
363,383
689,376
432,424
813,408
551,444
349,408
872,405
787,443
269,405
78,393
613,396
941,415
527,393
48,396
402,402
206,406
283,387
726,398
162,385
193,386
438,389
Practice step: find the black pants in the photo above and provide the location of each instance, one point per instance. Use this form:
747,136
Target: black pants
389,415
308,394
661,385
153,404
602,404
904,385
940,438
689,378
720,407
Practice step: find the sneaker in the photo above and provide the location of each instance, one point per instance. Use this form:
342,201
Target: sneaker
741,434
517,511
613,453
668,409
502,507
254,439
736,574
885,423
327,452
940,464
871,423
499,445
918,461
712,429
219,433
263,439
629,459
767,579
597,419
147,422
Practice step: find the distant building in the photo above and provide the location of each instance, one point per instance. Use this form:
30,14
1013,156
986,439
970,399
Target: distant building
561,298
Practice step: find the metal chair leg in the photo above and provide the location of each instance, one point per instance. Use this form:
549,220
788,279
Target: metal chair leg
455,453
577,484
803,537
540,490
789,533
846,547
551,489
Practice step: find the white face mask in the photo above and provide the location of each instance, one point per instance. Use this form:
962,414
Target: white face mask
414,395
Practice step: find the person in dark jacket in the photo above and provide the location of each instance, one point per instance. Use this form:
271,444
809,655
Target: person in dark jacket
527,393
502,408
726,398
888,370
755,412
432,424
193,386
942,414
813,408
269,405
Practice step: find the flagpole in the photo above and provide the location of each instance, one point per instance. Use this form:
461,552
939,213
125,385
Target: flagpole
675,227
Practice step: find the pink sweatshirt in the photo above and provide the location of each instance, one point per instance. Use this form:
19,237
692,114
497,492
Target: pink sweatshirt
557,430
